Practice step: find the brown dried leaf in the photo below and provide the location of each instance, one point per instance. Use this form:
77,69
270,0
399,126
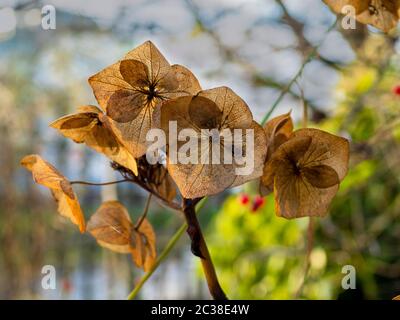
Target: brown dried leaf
305,172
90,126
130,90
143,246
157,179
321,176
220,109
157,67
382,14
111,226
278,130
45,174
235,112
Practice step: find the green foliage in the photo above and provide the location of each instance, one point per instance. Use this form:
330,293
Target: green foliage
265,255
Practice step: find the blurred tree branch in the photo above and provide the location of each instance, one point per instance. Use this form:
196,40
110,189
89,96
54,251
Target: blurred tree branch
304,45
259,79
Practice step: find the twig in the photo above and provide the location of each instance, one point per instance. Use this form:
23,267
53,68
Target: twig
98,184
230,55
171,204
199,248
305,107
309,58
144,214
168,248
287,88
304,45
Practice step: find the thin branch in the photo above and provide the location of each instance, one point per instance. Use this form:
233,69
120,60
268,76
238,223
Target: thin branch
168,248
309,58
130,176
257,77
305,106
199,248
98,184
285,90
304,45
144,214
170,204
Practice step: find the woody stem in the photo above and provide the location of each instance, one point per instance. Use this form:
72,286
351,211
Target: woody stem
199,249
144,214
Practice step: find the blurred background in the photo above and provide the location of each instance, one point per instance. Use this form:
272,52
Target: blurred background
351,87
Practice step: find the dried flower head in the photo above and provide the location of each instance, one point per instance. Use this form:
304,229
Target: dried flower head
220,109
130,89
305,172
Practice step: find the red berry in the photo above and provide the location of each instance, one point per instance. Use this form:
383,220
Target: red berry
66,285
257,203
244,199
396,90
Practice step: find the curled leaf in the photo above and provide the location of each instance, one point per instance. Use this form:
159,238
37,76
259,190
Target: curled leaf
90,126
130,90
45,174
278,130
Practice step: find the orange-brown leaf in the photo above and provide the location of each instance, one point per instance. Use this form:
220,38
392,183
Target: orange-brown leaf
45,174
90,126
277,131
111,226
143,246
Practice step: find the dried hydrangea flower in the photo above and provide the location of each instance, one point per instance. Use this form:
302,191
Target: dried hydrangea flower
130,89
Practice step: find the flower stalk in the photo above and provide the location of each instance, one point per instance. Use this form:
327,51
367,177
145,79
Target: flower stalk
199,249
